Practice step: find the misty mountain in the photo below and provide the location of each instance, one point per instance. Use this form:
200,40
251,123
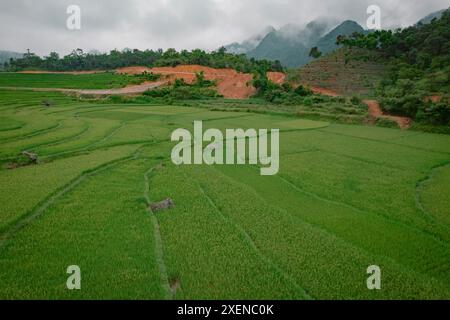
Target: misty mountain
249,44
328,44
292,43
289,52
431,16
6,55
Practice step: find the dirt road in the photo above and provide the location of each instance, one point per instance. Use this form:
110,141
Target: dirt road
129,90
376,112
324,91
62,72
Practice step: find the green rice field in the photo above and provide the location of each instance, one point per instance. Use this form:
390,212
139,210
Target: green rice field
346,197
99,80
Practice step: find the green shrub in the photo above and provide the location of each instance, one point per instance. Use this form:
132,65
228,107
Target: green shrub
308,102
158,93
148,76
302,91
117,99
355,100
179,83
408,105
182,92
286,87
434,113
387,123
202,82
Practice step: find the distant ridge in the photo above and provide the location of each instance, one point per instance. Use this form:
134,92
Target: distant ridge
6,55
431,16
249,44
292,43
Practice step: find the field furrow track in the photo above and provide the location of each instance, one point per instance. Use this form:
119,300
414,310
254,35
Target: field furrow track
248,239
282,214
25,220
371,221
159,249
436,172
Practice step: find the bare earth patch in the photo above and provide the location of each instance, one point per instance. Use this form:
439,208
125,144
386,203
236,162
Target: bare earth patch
230,83
376,112
324,91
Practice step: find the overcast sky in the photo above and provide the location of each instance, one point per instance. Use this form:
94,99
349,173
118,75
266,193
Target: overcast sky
150,24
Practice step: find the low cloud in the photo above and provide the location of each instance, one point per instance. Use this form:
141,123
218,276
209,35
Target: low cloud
151,24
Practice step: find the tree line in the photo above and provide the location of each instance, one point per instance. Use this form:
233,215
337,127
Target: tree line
78,60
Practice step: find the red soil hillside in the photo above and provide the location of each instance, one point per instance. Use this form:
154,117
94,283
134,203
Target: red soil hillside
325,92
376,113
230,83
276,77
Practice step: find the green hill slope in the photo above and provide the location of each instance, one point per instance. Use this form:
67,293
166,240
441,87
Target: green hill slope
345,71
418,82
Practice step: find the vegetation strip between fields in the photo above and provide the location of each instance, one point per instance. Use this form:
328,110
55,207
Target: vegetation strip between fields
419,189
159,249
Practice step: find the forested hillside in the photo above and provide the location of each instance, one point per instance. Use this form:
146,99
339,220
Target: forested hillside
418,82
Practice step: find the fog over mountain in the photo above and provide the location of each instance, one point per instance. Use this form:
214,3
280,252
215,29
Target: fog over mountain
432,16
292,43
249,44
6,55
181,24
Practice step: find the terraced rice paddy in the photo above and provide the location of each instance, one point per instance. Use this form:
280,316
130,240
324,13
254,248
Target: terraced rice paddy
346,197
99,80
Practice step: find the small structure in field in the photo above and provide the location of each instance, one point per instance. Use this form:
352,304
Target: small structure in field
33,157
47,103
163,205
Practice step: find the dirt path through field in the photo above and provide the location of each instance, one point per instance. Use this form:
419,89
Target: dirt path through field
134,89
324,91
375,113
375,110
63,72
129,90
